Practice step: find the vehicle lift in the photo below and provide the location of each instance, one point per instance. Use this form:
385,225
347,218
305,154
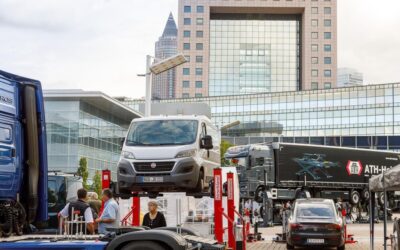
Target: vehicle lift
219,213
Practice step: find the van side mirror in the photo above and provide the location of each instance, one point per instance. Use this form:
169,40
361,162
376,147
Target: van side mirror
206,142
122,143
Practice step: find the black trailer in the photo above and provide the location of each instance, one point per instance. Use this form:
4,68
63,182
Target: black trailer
287,171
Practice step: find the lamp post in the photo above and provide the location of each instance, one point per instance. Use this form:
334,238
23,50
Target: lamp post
158,68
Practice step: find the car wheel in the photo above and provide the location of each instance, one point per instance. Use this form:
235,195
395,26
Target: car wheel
342,247
396,237
355,197
288,246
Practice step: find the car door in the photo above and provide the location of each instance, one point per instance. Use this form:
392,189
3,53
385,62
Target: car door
8,166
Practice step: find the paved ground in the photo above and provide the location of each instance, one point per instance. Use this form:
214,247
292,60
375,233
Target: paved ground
360,231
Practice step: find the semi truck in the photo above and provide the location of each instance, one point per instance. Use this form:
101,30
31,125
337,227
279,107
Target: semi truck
285,171
24,184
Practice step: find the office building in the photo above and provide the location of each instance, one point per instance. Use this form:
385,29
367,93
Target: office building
84,124
238,47
163,85
363,116
348,77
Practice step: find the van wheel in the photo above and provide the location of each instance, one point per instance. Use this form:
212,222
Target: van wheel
288,246
200,183
143,245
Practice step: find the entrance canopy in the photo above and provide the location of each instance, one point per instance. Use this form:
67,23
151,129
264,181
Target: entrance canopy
390,179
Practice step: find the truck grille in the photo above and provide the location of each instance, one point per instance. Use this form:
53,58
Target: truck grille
164,166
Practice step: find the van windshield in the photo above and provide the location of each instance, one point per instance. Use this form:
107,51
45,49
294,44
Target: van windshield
162,132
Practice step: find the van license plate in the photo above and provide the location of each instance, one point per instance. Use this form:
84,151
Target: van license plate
152,179
315,241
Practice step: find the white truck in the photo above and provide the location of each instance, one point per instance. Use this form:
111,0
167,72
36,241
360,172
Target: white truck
169,154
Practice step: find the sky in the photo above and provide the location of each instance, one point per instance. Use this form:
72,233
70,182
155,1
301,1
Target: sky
102,44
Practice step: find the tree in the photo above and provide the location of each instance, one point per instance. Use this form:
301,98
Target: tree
83,171
224,147
96,186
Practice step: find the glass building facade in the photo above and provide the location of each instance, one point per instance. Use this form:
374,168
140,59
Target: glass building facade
363,116
254,54
79,127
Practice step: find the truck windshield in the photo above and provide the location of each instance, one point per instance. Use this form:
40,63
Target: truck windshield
162,132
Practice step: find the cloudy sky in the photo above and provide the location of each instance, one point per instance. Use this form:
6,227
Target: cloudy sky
102,44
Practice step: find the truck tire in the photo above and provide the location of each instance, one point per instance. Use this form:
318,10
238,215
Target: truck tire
396,236
144,245
365,194
258,194
381,199
355,197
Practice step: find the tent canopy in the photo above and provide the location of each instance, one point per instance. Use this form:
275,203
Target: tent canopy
391,179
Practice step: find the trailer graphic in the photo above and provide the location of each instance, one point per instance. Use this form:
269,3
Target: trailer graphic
315,165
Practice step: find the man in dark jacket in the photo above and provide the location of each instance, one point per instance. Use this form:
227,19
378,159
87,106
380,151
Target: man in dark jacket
81,210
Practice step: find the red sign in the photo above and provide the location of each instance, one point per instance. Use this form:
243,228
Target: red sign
354,168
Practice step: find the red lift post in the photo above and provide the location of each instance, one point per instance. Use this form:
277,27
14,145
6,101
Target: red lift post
218,210
231,211
136,211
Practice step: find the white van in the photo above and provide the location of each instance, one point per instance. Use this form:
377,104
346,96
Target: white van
169,154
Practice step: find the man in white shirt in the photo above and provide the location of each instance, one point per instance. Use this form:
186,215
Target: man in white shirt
81,210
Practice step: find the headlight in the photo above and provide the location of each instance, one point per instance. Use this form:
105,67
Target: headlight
188,153
127,155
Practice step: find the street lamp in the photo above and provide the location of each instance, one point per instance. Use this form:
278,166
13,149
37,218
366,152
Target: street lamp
158,68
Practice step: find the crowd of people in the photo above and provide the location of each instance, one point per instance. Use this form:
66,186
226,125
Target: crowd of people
88,209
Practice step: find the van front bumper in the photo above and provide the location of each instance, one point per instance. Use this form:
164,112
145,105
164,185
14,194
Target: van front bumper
183,176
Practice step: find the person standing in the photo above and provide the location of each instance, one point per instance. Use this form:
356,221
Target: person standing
110,215
153,218
94,203
80,209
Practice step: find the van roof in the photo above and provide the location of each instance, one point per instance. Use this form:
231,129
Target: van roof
173,117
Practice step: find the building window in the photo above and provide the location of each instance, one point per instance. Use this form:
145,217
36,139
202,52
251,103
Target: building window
314,47
199,84
198,95
327,10
314,72
186,46
199,59
187,21
327,23
199,71
187,58
314,35
186,33
199,46
327,85
186,71
187,9
200,9
327,35
327,73
314,60
199,33
185,95
185,84
314,10
327,60
327,48
314,23
199,21
314,85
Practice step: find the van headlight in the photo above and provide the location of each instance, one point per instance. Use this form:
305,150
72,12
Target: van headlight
127,155
187,153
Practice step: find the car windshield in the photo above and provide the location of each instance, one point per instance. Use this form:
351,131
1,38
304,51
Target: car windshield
162,132
315,211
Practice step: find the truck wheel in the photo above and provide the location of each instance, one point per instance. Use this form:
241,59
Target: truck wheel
259,193
355,197
144,245
365,194
288,246
396,236
381,199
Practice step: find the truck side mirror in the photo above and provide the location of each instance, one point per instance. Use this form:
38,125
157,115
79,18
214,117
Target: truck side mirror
206,142
122,142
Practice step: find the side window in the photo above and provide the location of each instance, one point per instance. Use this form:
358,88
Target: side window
52,193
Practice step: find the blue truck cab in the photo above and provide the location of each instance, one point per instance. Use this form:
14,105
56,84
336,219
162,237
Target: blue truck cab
23,156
